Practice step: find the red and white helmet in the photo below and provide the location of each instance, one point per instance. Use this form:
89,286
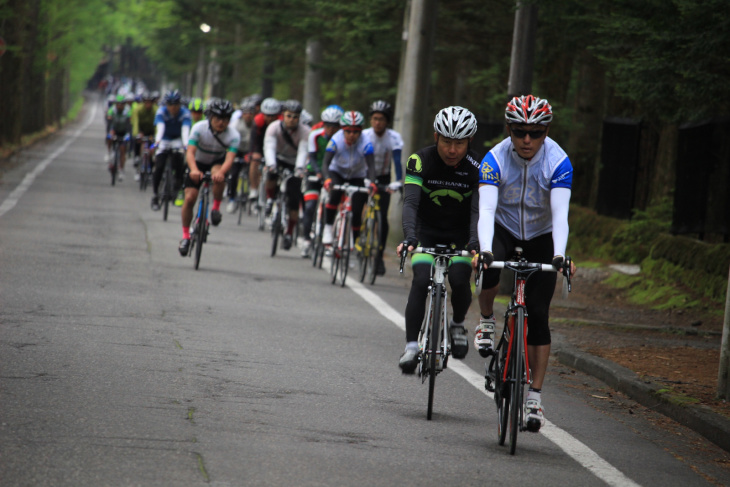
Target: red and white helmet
528,109
352,118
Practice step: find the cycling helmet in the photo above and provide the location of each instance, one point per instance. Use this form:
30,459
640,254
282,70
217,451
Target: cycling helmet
528,109
220,108
248,106
270,106
331,115
256,99
305,117
455,123
291,106
337,107
147,96
352,119
172,97
381,106
196,105
120,99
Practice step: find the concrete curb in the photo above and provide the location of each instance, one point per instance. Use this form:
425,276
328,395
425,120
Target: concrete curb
701,419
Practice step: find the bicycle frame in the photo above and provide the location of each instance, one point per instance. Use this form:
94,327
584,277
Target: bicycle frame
200,221
344,240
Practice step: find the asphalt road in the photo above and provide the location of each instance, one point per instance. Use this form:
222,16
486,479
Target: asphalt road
122,365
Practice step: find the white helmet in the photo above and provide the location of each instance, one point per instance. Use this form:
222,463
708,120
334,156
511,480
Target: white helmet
270,106
528,110
455,123
331,115
305,117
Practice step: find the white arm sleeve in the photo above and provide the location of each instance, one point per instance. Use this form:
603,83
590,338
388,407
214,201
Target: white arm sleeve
488,200
270,149
185,135
160,132
302,153
559,205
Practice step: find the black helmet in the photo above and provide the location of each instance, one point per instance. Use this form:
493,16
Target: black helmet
220,108
291,106
381,106
172,97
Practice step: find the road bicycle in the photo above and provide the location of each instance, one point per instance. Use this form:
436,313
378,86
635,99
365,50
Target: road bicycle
279,210
145,164
508,372
201,223
242,189
317,245
433,339
342,241
168,180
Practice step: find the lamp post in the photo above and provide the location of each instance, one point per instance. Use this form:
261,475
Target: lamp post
200,71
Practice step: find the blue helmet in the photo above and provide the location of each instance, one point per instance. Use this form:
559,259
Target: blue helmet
172,97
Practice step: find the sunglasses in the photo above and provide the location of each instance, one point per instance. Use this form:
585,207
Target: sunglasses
534,134
350,131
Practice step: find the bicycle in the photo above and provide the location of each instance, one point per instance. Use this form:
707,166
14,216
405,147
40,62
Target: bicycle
508,371
117,143
201,224
145,164
168,191
342,241
433,339
279,211
317,245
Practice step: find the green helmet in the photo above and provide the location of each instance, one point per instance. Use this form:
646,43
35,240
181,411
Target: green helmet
121,99
196,105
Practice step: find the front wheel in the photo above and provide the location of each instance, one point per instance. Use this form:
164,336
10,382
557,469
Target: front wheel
516,380
374,251
434,344
201,231
335,259
167,192
345,246
276,229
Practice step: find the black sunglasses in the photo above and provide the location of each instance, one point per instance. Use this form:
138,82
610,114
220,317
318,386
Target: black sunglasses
534,134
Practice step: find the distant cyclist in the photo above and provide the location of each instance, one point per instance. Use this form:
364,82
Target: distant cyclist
270,111
213,145
348,159
143,122
197,110
317,146
118,125
387,148
524,194
242,121
285,146
441,207
172,123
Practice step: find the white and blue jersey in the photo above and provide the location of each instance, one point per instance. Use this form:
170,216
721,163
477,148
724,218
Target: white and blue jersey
349,161
524,207
172,126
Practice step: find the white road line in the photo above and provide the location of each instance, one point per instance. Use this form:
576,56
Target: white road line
13,197
586,457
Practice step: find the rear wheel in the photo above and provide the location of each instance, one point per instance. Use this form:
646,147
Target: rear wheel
434,344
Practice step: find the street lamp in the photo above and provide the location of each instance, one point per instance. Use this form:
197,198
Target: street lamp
205,28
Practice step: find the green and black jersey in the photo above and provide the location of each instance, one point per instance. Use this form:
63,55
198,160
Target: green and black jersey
441,200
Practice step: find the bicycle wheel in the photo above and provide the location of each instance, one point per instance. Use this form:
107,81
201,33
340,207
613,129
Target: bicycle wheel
375,252
434,344
115,165
261,207
335,259
143,171
346,245
200,230
516,380
501,392
167,191
242,195
364,247
317,247
276,227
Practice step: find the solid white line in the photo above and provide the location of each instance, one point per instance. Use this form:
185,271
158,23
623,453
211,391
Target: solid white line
13,197
577,450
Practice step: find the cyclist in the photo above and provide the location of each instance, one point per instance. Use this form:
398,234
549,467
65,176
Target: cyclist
285,146
348,159
318,140
270,111
242,121
213,145
524,193
441,207
387,147
143,122
197,109
172,123
118,125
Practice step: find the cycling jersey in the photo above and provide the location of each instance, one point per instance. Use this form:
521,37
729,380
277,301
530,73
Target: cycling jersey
440,198
278,149
208,148
317,145
119,122
386,148
172,128
244,130
349,161
525,203
258,131
143,120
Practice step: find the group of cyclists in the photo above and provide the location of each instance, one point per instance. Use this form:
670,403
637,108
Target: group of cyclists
517,195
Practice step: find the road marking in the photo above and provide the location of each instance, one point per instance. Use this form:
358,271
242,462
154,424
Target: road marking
574,448
13,197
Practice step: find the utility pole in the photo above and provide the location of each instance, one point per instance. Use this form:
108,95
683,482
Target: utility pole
723,377
313,77
523,50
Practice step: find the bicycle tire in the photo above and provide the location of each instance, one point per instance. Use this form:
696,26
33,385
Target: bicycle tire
167,191
142,170
318,248
364,247
115,166
335,259
200,231
275,229
261,207
434,344
241,187
375,253
516,383
501,393
345,250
